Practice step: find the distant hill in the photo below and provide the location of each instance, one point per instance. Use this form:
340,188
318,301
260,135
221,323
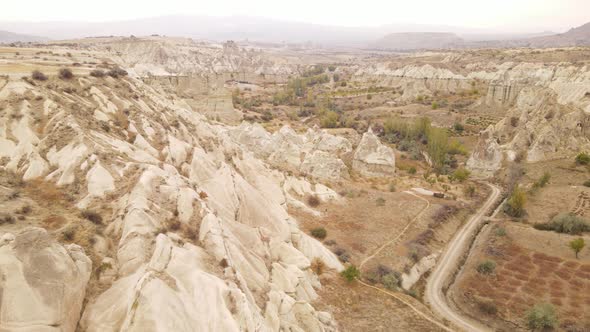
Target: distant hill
418,40
11,37
579,36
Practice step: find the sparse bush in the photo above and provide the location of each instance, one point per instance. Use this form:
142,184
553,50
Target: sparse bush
487,307
460,175
470,191
583,159
500,231
25,210
318,266
7,219
92,216
267,116
568,223
515,205
342,254
390,281
13,195
434,105
117,72
97,73
203,195
380,201
68,234
391,187
542,316
486,267
458,127
38,76
329,120
412,170
313,200
587,183
319,233
65,74
350,273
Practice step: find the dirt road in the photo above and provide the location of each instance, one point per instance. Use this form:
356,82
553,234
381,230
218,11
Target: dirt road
447,265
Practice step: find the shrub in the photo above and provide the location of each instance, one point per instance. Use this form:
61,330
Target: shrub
350,273
39,76
460,175
342,254
583,158
92,216
587,183
313,200
68,234
500,231
117,72
369,96
329,120
515,205
486,267
97,73
65,74
487,307
458,127
412,170
319,233
470,191
7,219
565,223
541,316
318,266
380,201
390,281
434,105
391,187
203,195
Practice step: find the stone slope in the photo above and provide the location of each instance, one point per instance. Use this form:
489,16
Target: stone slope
200,225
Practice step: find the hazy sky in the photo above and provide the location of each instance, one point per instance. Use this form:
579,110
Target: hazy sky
502,15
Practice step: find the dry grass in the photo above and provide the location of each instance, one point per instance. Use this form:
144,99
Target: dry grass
45,192
318,266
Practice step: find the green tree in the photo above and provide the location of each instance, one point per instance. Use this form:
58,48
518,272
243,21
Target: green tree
438,145
516,201
541,316
577,245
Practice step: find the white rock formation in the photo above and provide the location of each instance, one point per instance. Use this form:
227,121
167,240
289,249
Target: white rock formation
417,271
235,259
43,283
372,158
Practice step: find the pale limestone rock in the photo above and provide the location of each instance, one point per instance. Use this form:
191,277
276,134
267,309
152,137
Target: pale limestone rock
418,270
43,283
372,158
324,166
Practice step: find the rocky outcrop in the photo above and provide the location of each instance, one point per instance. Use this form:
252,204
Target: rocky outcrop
202,238
418,270
372,158
316,153
43,283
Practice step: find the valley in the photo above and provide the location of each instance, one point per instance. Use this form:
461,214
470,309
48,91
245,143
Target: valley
164,183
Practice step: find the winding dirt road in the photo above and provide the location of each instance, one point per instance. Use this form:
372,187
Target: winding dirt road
448,264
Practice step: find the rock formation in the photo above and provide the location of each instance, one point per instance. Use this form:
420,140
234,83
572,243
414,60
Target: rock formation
202,237
372,158
42,283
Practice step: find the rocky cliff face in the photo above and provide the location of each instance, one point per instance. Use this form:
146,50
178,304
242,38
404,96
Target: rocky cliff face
545,105
200,237
548,118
